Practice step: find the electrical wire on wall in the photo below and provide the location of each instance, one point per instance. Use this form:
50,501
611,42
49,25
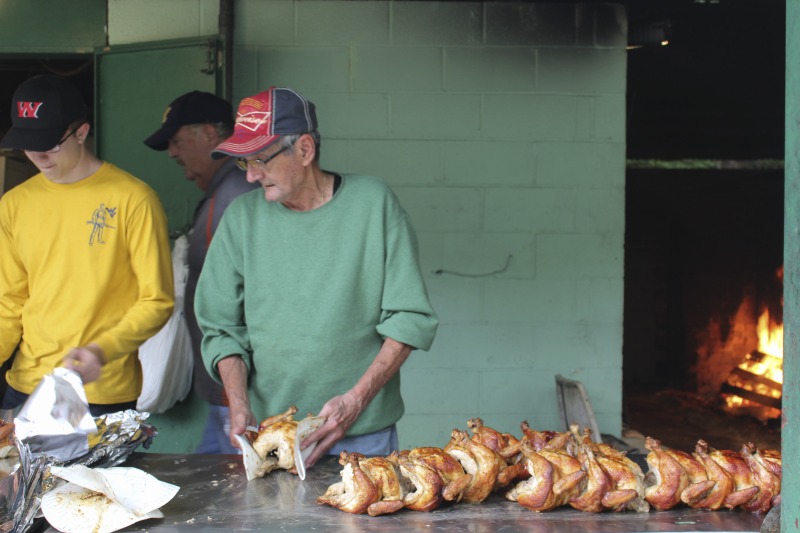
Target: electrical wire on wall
482,275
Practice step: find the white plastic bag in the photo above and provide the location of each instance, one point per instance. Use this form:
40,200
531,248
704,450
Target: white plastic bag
166,357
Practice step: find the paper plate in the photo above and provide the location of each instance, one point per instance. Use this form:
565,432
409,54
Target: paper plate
74,509
131,488
250,458
305,427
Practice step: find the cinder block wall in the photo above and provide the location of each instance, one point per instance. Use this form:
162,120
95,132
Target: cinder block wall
501,126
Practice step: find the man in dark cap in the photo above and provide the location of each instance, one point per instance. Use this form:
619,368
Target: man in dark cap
191,127
312,293
85,270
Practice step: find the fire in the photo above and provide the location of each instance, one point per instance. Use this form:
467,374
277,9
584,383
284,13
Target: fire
766,364
770,337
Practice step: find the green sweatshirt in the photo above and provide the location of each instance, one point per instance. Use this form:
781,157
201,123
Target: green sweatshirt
306,298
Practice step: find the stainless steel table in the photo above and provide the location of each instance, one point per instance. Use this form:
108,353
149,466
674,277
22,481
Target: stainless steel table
215,496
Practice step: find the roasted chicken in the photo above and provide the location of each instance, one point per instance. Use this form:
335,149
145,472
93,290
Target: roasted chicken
666,478
369,485
356,492
7,446
454,479
549,469
555,478
598,484
625,478
711,493
505,444
480,462
535,441
768,483
275,442
422,484
744,487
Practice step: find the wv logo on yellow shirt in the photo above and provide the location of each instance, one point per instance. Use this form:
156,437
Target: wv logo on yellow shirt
100,218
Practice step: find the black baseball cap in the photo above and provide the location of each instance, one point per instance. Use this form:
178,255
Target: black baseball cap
196,107
42,109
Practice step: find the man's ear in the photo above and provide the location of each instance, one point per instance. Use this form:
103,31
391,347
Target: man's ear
83,132
210,134
306,147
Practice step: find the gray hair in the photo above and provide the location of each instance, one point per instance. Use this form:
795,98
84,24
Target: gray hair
223,129
289,140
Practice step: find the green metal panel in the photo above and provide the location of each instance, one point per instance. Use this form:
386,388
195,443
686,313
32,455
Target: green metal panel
790,433
134,86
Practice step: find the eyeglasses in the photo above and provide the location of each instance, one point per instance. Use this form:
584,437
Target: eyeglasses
260,164
57,147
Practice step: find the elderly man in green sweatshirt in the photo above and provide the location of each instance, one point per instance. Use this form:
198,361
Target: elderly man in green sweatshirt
311,294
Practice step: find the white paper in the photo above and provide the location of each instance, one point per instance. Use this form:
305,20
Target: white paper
105,499
250,458
305,427
71,508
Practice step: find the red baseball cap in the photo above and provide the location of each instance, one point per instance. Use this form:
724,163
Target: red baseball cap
263,118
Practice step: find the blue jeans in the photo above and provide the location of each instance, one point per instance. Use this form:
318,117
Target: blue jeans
381,442
14,398
216,434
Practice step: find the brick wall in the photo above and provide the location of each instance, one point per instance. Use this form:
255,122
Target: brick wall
501,126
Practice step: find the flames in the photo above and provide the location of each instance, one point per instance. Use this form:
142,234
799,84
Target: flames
761,372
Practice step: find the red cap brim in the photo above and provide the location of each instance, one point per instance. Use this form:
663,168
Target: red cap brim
243,144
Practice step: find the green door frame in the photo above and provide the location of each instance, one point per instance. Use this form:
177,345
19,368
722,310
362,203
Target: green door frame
790,433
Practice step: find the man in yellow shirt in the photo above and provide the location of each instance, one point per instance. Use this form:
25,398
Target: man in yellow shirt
78,288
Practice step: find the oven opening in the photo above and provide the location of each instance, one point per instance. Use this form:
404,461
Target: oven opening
702,341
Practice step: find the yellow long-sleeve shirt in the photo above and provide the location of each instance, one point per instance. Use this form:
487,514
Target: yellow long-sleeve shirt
81,263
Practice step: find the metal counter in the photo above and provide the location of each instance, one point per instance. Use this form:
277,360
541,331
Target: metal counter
215,495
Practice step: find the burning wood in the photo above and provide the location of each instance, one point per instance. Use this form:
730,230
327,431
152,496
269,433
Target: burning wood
741,373
755,385
755,381
751,396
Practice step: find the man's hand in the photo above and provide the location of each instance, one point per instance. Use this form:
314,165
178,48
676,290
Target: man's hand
340,413
87,361
240,419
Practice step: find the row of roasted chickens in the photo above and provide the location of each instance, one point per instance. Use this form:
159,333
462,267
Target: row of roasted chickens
545,469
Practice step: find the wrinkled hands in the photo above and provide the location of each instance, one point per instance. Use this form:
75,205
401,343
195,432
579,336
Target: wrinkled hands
340,413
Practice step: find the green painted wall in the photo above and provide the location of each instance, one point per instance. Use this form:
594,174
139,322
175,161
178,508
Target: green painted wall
48,26
501,126
790,434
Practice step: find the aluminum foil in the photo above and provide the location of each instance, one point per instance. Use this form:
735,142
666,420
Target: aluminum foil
55,419
20,492
118,435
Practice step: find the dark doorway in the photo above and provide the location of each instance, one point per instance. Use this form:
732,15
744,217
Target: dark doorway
704,197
